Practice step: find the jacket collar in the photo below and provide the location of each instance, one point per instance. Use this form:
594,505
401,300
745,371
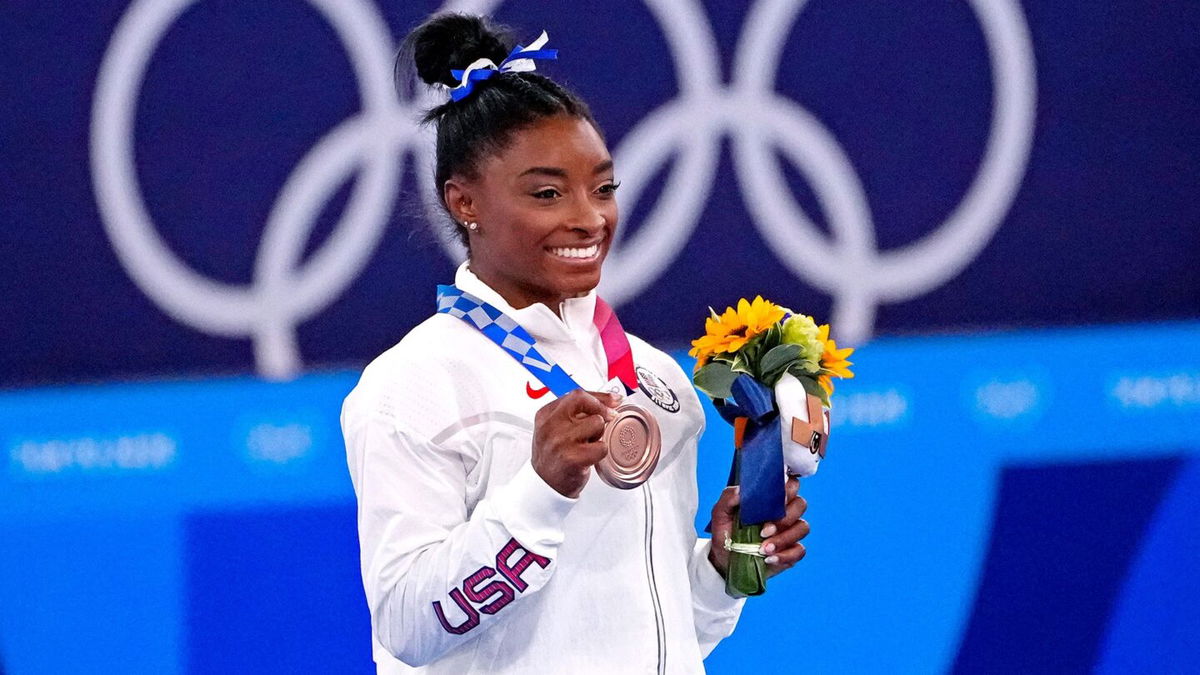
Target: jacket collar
544,325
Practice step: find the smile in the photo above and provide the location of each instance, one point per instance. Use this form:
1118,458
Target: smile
577,253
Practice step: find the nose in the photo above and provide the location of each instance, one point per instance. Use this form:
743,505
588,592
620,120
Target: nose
590,217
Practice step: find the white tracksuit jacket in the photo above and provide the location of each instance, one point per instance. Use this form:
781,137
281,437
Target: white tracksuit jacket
472,563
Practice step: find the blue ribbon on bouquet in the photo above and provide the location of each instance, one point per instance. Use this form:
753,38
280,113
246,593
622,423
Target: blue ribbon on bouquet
758,464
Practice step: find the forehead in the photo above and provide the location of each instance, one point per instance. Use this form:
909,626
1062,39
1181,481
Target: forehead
564,142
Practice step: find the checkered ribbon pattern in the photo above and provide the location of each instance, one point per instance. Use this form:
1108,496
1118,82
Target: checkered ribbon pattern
507,333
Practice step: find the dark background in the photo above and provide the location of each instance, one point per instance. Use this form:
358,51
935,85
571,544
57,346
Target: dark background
1104,228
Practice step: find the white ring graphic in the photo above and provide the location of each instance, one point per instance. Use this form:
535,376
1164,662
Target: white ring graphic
281,296
850,267
855,272
686,131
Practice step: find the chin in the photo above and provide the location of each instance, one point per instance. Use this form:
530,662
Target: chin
579,283
572,278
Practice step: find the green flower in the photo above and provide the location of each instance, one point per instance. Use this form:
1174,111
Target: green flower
802,330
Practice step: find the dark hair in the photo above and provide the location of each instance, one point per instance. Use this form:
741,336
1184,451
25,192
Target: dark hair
482,123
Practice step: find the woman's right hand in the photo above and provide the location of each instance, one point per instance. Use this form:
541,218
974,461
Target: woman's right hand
566,438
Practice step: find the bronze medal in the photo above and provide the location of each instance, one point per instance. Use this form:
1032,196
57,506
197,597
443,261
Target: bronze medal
634,443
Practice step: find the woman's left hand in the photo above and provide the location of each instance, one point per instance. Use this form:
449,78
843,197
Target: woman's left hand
781,538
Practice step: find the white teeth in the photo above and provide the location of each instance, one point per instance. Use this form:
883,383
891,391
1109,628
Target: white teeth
565,252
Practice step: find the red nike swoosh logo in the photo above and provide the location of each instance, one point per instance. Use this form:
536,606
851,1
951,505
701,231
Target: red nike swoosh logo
535,393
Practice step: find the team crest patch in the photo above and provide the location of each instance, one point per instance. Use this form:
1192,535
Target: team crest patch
657,390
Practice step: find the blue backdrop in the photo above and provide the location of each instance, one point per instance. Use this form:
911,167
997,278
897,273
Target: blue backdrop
213,213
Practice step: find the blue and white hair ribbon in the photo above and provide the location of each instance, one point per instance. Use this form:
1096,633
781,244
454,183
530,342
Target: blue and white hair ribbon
519,60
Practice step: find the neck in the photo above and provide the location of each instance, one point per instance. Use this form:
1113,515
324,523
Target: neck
517,296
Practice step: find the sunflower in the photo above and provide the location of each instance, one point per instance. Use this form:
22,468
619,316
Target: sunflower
729,332
833,361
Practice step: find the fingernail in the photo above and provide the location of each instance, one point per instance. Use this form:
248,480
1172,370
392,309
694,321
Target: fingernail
767,531
768,548
771,560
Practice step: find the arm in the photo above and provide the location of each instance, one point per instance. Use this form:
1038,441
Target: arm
434,575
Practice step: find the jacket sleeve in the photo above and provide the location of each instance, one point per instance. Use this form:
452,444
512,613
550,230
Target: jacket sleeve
715,612
435,575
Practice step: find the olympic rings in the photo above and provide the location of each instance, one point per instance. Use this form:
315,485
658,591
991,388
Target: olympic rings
686,131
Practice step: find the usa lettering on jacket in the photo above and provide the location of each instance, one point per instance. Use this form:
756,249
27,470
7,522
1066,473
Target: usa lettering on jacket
473,594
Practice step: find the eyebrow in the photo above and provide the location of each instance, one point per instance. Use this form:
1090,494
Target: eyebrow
562,173
545,170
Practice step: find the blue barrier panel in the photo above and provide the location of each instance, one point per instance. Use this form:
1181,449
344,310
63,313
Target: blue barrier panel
146,526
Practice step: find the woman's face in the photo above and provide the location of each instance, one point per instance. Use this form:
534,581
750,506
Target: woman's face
546,211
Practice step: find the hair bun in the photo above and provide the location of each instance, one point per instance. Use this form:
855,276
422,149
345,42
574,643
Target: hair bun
455,41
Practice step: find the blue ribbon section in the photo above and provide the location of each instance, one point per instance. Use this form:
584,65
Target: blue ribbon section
516,54
507,333
758,465
750,399
464,90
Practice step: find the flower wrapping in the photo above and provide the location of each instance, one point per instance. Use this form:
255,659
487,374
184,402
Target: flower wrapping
769,373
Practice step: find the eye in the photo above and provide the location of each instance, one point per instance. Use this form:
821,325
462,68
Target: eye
548,193
608,188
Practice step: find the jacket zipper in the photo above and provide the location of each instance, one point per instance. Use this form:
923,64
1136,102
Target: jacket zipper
658,620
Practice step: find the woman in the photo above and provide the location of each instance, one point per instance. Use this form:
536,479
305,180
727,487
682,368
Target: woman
487,545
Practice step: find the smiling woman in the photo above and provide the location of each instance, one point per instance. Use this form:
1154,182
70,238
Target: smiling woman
546,212
485,545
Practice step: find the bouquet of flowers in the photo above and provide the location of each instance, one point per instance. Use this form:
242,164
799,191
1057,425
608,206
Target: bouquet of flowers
769,372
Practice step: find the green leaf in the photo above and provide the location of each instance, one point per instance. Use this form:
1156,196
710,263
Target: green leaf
769,378
766,341
715,379
811,386
779,358
750,350
778,361
741,364
804,368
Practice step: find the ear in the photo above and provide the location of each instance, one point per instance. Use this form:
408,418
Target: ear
460,200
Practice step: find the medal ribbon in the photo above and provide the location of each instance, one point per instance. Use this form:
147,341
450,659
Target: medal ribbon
616,346
519,344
